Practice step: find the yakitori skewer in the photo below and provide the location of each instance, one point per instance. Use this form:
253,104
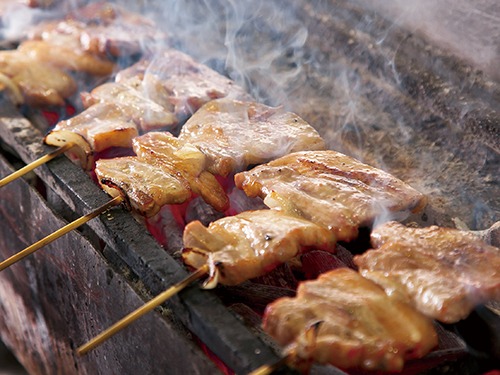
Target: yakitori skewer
88,40
153,94
222,242
35,164
443,272
58,233
224,136
429,273
119,111
360,326
331,189
235,249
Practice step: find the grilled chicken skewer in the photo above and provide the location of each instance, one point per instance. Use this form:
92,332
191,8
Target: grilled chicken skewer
234,249
331,189
101,29
212,142
436,273
37,72
356,325
150,95
444,273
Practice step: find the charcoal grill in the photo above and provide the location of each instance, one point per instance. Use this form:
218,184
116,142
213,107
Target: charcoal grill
399,102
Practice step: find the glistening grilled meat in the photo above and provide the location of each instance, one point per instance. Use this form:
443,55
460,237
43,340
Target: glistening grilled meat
146,98
66,57
443,272
95,129
348,321
168,153
330,189
250,244
234,134
160,155
173,81
218,147
33,82
147,187
101,29
37,71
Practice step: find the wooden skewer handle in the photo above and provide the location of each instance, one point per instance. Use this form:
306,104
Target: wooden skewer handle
58,233
36,163
158,300
270,368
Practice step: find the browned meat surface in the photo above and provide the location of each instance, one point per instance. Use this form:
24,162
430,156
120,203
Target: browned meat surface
27,80
250,244
165,171
359,325
443,272
141,97
194,163
165,151
178,83
95,129
66,57
146,113
234,134
330,189
36,72
145,187
100,29
163,92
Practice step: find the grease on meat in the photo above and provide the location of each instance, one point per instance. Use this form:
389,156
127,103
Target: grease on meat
358,325
250,244
234,134
330,189
443,272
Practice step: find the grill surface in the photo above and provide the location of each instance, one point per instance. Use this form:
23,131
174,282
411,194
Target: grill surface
397,102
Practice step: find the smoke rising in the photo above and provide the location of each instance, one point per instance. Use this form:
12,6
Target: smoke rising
354,78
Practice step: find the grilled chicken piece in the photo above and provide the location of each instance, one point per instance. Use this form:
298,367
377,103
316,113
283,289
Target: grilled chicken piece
35,73
250,244
145,187
443,272
99,127
141,96
146,113
234,134
29,81
66,56
176,82
356,324
164,151
330,189
165,91
101,29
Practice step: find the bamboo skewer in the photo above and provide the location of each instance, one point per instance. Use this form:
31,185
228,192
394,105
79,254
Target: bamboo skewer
136,314
270,368
36,163
58,233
